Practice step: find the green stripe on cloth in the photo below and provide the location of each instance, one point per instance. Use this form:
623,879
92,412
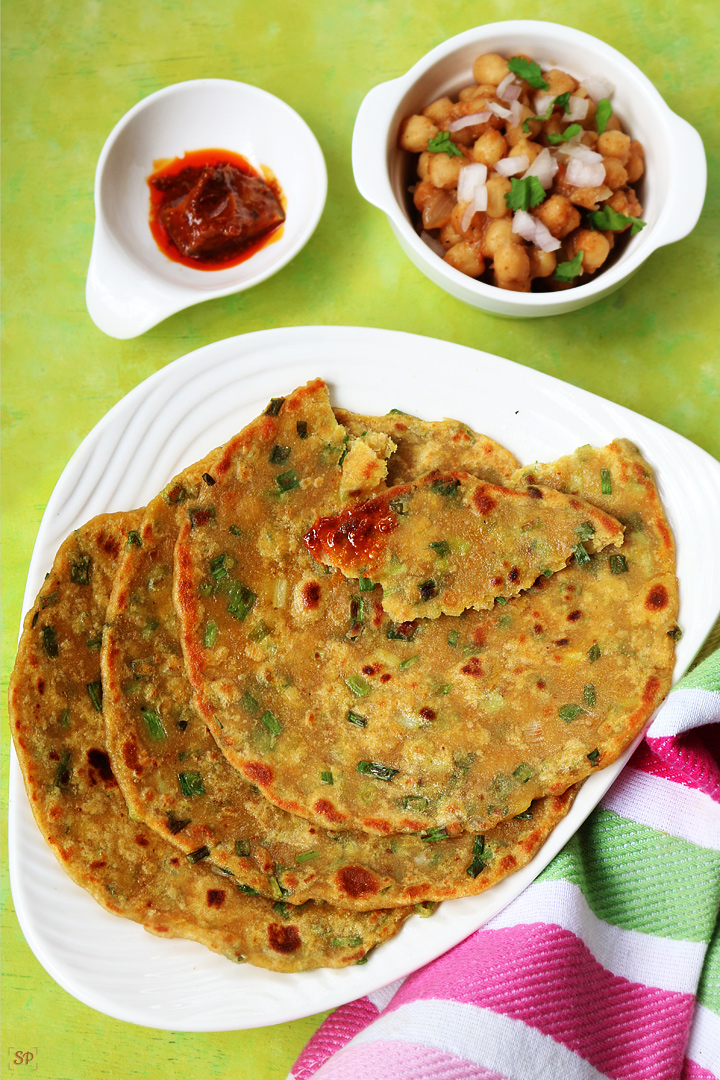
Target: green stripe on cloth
708,991
640,879
706,676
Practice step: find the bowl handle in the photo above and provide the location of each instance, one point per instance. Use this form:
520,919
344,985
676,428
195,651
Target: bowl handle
369,153
687,190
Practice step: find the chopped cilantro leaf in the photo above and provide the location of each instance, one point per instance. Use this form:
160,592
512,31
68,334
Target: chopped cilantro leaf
568,271
602,114
564,136
525,193
443,144
528,70
607,218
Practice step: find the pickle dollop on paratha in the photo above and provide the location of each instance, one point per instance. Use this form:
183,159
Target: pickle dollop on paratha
56,704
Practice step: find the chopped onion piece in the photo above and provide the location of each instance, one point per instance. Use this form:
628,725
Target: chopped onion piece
504,85
479,202
598,87
499,110
544,167
583,174
511,166
530,228
433,243
516,113
578,110
543,103
471,177
582,153
469,121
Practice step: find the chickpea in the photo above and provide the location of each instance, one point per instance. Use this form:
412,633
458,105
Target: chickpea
542,263
423,166
514,132
424,192
474,231
440,112
595,247
614,144
497,189
559,82
525,146
636,162
448,236
615,173
466,258
469,92
589,197
511,265
497,234
613,124
443,170
415,132
558,215
489,148
625,201
554,125
490,68
589,138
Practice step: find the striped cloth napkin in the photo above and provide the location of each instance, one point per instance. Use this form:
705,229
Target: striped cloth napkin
608,965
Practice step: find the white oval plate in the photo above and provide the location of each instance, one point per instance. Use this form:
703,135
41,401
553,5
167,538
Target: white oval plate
131,284
174,418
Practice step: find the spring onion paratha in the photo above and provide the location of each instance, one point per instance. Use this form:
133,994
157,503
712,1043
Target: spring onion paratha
155,739
342,716
56,717
449,541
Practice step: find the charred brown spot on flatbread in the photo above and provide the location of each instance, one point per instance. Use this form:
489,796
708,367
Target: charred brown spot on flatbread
284,939
657,598
356,881
258,773
328,811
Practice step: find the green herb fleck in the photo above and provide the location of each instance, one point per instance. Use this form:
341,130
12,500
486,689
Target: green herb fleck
242,848
134,538
271,722
241,601
250,704
441,548
49,641
380,772
581,555
210,635
198,855
585,531
568,271
618,564
80,570
275,406
529,70
568,713
49,599
593,757
525,193
155,727
443,144
191,784
326,778
605,482
355,718
279,454
609,219
428,589
94,690
445,486
306,856
594,653
63,771
479,861
415,802
259,632
358,685
523,773
409,661
302,429
564,136
346,942
603,113
439,833
676,633
589,695
365,584
288,480
453,639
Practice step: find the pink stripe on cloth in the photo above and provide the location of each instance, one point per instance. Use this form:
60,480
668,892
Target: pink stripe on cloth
402,1061
692,759
693,1071
549,979
339,1028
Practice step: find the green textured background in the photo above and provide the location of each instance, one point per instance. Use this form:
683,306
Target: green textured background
71,68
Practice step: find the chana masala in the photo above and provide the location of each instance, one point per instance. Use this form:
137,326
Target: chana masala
527,180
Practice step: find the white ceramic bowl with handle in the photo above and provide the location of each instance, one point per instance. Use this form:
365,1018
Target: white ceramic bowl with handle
131,284
673,188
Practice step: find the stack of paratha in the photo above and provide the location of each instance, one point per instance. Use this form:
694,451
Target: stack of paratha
341,669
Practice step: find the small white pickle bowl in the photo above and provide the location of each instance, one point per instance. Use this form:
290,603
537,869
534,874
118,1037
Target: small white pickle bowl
131,285
671,191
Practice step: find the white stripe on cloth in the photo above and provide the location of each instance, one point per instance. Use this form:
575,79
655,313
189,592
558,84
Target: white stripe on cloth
486,1038
665,806
683,710
704,1043
381,998
640,958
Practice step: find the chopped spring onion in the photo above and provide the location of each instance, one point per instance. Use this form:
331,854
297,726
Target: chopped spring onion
445,487
594,653
527,815
409,661
210,635
306,856
441,548
479,860
358,685
176,825
428,589
49,641
63,771
80,571
568,713
259,632
94,690
415,802
134,538
355,718
676,633
593,757
242,848
618,564
278,454
586,531
288,480
326,778
346,942
301,428
380,772
191,784
402,631
271,722
589,695
440,833
64,718
250,704
365,584
197,856
155,727
523,773
453,639
241,600
605,482
581,555
275,406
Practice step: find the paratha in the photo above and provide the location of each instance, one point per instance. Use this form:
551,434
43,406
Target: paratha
339,715
449,541
56,718
424,445
154,736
